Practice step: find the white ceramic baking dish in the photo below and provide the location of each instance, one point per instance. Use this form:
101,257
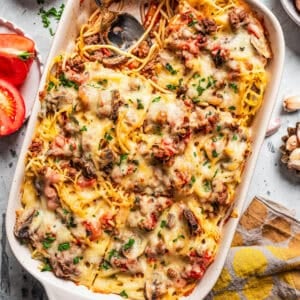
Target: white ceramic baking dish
58,289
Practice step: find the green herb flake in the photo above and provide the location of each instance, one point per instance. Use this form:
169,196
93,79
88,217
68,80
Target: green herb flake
105,265
192,23
219,128
46,268
171,69
205,163
25,55
215,153
129,244
163,224
181,236
36,213
207,186
216,172
83,128
63,246
123,157
171,87
195,154
156,99
103,82
232,107
47,242
66,82
76,260
51,86
235,137
113,253
124,294
140,104
193,180
234,87
108,137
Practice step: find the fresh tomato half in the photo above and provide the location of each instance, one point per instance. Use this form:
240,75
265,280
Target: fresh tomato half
16,56
12,108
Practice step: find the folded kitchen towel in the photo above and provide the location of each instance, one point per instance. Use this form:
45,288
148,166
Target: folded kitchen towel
264,259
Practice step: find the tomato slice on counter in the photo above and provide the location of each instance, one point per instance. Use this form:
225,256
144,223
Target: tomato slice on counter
16,56
12,108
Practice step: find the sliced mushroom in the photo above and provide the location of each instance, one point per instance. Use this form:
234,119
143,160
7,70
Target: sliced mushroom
191,220
22,226
291,104
171,220
154,290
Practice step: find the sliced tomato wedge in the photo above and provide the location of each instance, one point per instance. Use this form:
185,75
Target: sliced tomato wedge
12,108
16,56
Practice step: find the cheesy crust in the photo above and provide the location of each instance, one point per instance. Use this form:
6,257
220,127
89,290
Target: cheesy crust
136,156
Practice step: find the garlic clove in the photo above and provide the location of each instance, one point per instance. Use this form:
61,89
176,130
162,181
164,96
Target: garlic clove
292,103
295,155
273,127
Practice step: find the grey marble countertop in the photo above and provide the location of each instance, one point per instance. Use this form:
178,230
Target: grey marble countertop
270,179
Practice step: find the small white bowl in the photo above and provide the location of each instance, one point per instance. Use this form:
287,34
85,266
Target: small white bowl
290,8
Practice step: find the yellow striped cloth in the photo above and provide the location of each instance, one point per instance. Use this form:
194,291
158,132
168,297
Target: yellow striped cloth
264,259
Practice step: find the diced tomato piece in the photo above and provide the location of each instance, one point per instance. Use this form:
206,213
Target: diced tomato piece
93,232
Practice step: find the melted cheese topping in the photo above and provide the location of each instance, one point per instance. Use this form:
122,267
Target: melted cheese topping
132,170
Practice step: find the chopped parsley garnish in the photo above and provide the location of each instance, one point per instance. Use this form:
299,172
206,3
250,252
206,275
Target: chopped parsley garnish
235,137
163,224
193,180
140,104
66,211
206,162
195,154
103,82
234,87
207,186
76,260
122,158
51,85
171,69
129,244
36,213
123,294
171,87
113,253
219,127
108,137
48,242
63,246
83,128
215,153
66,82
216,172
200,90
210,82
46,268
181,236
105,265
192,23
24,55
156,99
232,107
53,13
